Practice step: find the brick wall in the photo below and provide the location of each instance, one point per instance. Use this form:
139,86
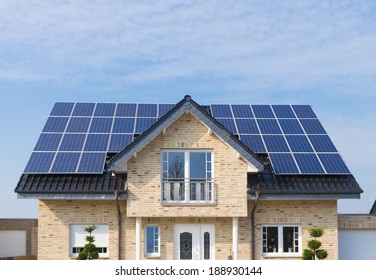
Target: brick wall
356,221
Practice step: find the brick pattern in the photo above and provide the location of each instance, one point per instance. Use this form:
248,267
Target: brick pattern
144,181
31,228
356,222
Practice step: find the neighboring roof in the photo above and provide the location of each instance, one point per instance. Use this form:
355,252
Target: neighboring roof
373,209
187,104
70,183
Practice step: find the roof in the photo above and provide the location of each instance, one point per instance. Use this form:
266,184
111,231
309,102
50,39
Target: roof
184,106
373,209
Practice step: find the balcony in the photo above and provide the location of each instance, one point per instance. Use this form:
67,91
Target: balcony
189,191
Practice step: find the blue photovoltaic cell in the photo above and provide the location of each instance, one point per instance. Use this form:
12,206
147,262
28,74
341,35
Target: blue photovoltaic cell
275,143
242,111
254,143
97,142
333,164
269,126
62,109
299,144
123,125
72,142
322,144
263,111
105,109
92,163
143,124
309,164
101,125
228,124
147,110
78,124
290,126
83,109
65,163
164,108
247,126
221,111
283,164
304,111
55,124
119,142
48,142
39,162
126,110
283,111
312,126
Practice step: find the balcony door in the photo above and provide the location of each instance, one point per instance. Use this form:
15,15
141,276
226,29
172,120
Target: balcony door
194,242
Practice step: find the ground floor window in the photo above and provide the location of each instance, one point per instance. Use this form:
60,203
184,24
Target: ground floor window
152,241
78,239
281,240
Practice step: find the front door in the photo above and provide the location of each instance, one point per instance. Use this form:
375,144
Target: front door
193,242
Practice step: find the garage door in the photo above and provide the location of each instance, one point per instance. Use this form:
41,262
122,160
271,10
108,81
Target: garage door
12,243
357,244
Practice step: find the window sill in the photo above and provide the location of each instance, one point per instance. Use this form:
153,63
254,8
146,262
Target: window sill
281,255
188,203
152,256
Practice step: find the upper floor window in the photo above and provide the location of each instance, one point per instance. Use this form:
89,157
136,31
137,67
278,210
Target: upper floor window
187,176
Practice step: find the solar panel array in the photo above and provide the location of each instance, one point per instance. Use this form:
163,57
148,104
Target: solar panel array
291,135
78,136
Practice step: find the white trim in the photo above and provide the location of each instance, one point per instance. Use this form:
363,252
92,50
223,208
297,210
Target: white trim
235,236
138,238
152,255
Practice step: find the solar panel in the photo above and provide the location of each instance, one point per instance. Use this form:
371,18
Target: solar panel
39,162
247,126
101,125
299,143
65,163
333,164
242,111
97,142
123,125
55,124
263,111
72,142
283,164
147,110
312,126
83,109
290,126
119,142
269,126
164,108
48,142
304,111
275,143
126,110
309,164
105,109
221,111
254,143
228,124
62,109
322,144
78,124
143,124
92,163
283,111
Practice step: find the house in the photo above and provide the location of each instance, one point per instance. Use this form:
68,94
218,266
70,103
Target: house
185,181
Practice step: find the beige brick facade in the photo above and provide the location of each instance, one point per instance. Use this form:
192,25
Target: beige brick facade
356,221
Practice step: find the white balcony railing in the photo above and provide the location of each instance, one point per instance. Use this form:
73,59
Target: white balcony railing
187,191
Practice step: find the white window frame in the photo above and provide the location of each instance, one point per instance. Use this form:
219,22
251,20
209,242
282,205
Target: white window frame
280,252
187,176
101,244
154,254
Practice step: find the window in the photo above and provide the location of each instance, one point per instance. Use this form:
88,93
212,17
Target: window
187,176
152,241
78,239
280,240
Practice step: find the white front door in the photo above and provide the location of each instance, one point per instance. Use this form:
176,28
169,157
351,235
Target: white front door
194,242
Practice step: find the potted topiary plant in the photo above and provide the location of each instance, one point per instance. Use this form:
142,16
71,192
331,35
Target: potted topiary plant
314,252
90,251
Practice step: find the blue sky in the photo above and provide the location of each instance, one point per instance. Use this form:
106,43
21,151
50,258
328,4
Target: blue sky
256,52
